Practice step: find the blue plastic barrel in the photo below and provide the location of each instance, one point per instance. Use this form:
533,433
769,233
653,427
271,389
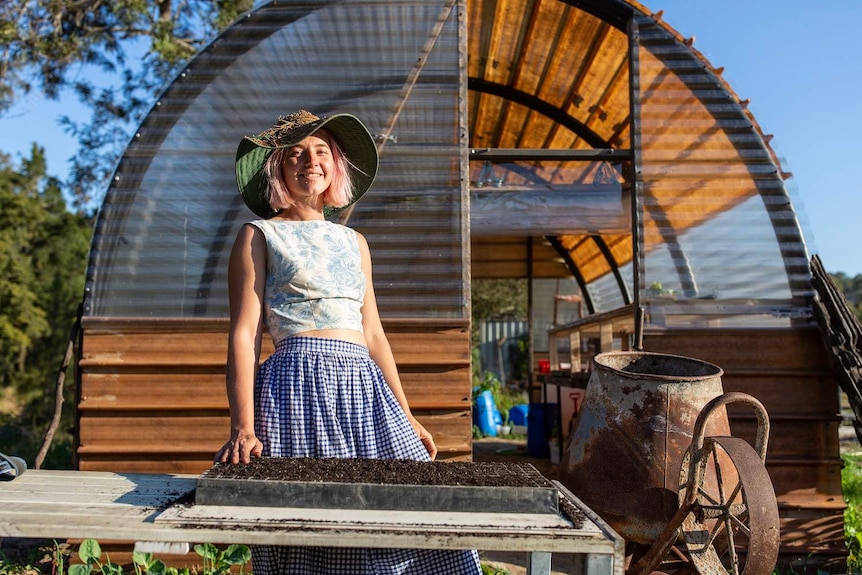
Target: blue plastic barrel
539,424
518,414
483,414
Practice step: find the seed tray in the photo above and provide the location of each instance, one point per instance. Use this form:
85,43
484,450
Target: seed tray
400,485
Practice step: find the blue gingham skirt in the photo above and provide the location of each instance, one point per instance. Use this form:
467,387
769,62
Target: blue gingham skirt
317,397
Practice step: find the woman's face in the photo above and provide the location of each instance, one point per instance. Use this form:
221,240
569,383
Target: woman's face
307,167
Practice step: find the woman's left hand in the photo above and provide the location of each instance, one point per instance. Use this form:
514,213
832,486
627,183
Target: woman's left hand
424,436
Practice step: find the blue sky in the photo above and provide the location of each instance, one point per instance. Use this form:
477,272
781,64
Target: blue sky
797,61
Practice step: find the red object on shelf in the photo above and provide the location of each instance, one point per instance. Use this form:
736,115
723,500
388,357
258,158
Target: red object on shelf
577,398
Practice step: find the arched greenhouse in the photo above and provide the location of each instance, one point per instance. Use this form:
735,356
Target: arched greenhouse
583,146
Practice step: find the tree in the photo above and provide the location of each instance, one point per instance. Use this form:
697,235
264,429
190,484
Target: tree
499,299
22,320
43,255
492,299
852,289
133,47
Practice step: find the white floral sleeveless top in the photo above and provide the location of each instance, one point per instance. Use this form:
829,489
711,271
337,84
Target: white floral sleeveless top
314,277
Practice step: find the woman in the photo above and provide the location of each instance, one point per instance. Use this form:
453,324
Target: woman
331,389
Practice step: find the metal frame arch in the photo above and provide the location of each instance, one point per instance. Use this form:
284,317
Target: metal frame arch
537,105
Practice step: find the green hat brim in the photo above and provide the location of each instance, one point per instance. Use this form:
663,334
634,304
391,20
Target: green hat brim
352,136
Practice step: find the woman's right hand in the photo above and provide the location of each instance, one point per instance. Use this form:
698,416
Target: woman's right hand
240,449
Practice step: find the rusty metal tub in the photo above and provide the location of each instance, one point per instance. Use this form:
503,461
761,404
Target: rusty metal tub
635,424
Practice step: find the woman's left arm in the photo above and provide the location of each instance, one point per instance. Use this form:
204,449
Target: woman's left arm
381,352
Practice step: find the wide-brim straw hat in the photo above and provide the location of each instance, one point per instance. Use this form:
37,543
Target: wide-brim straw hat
352,136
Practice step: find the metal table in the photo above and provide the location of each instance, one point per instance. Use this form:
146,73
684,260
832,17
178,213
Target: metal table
155,510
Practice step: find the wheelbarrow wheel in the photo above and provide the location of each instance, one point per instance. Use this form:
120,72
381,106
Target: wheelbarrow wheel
734,529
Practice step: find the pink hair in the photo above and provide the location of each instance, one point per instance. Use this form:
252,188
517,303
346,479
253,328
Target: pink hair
340,190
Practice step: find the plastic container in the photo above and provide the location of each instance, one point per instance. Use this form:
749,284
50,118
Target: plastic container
539,425
518,414
484,414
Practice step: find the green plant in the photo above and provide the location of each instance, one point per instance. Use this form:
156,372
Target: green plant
90,552
10,567
145,563
491,570
506,398
215,562
59,558
851,482
486,381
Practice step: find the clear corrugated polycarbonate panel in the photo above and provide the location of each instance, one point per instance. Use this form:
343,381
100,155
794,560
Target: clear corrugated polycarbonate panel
541,198
721,241
171,214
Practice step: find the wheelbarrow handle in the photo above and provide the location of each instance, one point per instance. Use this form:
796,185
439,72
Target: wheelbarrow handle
696,462
724,399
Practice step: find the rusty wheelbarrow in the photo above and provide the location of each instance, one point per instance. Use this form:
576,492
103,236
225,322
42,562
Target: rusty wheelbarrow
652,454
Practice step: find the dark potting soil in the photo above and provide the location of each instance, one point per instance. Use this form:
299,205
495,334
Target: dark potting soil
382,471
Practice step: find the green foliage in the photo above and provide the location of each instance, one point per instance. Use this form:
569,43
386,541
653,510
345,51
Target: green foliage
136,46
486,381
22,320
504,396
43,258
497,299
508,398
214,562
852,290
494,299
491,570
145,563
851,484
90,553
11,567
220,562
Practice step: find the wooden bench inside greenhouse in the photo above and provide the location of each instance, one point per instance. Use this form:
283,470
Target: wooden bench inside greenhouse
152,391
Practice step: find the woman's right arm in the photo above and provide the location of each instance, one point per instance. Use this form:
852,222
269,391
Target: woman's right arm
246,281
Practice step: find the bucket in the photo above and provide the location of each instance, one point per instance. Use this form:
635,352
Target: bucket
539,424
484,415
635,425
518,414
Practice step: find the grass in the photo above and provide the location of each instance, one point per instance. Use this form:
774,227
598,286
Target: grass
851,482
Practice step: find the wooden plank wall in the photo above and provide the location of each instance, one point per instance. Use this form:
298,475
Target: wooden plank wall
790,372
152,391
